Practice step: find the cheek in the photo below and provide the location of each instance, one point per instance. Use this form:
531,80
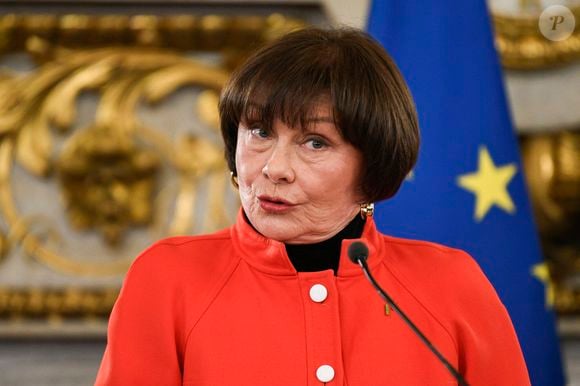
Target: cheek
249,164
240,152
334,180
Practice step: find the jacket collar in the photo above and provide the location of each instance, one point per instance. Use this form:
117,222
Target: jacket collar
270,256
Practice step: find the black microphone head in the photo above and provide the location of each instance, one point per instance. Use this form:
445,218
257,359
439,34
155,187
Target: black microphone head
358,250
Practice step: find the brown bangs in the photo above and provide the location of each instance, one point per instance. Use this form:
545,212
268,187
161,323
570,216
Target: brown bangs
279,88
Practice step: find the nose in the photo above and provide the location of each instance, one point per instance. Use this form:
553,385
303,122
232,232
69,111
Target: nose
278,168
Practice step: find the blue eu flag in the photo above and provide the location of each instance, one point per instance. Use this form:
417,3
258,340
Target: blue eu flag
467,189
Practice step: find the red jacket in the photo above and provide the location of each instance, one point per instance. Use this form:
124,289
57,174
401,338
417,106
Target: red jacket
230,309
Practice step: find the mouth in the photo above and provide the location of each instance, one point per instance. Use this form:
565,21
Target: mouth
274,204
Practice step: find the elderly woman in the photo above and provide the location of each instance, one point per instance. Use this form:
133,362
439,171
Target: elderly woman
317,126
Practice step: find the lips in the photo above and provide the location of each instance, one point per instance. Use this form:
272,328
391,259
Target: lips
275,204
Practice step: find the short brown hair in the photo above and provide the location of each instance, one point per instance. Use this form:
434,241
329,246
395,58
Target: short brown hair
372,106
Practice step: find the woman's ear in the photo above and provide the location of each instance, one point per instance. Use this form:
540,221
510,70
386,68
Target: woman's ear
234,179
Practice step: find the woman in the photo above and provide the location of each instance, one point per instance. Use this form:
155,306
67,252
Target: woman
317,126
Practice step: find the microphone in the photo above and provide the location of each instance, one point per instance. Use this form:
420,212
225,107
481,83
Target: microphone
358,253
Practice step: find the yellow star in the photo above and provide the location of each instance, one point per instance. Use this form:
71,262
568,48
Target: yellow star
489,184
542,272
410,176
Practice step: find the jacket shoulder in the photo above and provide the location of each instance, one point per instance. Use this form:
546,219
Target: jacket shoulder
195,259
451,286
440,275
421,260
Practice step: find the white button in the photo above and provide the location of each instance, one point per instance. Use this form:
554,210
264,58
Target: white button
325,373
318,293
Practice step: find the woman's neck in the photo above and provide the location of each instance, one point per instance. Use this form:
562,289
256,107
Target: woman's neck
324,254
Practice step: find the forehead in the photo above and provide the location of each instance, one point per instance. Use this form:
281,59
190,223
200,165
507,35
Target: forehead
321,109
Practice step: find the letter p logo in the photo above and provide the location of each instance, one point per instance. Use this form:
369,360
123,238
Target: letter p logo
557,23
557,20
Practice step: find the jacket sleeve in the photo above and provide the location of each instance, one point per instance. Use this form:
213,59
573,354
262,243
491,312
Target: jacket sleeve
488,347
143,337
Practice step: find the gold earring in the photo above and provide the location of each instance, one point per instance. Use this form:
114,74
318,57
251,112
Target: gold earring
234,180
367,209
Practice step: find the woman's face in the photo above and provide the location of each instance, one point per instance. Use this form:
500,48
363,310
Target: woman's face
298,186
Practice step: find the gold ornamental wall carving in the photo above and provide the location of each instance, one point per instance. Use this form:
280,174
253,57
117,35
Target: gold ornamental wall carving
109,140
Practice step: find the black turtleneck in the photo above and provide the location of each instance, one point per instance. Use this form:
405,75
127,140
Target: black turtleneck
325,254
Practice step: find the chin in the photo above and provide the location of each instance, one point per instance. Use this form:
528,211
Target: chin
277,236
276,227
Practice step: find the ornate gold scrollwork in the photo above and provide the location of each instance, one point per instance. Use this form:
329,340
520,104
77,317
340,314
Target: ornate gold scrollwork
107,179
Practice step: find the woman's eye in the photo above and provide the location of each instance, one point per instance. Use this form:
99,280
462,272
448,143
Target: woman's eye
259,132
316,143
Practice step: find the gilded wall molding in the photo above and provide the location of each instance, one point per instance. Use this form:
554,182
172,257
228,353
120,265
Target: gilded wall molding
56,304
